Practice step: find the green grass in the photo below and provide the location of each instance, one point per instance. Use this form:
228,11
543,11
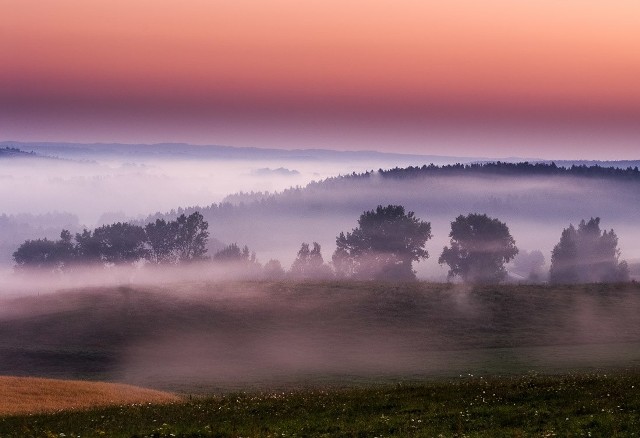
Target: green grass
210,338
594,404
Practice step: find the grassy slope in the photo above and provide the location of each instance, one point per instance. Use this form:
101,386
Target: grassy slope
380,330
570,405
20,395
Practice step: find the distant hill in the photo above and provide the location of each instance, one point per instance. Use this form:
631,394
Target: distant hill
536,200
97,151
188,151
12,152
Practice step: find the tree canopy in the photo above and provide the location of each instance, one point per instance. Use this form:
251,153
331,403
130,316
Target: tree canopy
384,245
309,263
191,237
178,241
233,253
587,255
46,254
479,248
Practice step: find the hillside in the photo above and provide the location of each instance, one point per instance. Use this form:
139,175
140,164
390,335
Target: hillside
224,336
537,201
544,198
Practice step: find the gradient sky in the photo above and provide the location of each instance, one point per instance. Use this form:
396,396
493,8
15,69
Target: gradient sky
545,78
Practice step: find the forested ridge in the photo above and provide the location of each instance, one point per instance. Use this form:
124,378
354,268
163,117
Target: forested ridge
263,200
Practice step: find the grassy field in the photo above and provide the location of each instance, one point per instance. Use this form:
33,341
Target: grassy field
330,359
595,405
220,337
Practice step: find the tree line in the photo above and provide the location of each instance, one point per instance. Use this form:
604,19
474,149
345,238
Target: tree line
178,241
384,246
264,202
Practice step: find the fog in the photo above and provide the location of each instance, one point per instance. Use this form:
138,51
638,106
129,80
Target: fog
535,208
99,192
201,335
209,326
97,182
275,221
77,186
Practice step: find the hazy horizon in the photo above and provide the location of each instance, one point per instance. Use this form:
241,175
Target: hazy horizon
549,79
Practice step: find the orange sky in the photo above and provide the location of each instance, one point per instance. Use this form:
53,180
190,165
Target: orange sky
253,65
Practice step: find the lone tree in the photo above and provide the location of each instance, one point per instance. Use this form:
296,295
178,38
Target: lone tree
383,246
480,246
587,255
273,270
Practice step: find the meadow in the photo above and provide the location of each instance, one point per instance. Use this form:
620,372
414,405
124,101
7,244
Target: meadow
333,358
213,337
594,404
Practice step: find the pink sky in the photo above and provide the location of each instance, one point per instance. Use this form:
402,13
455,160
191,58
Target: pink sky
493,78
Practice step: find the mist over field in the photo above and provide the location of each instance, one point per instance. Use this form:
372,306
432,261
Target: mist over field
45,187
535,208
273,201
204,336
320,219
207,325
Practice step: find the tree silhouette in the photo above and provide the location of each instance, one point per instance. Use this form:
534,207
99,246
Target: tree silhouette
191,237
480,246
46,254
87,247
233,253
309,264
162,240
383,246
587,255
273,270
120,243
180,240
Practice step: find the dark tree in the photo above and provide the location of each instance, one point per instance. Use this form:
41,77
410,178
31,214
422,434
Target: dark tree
46,254
40,253
234,254
120,243
191,237
54,256
273,270
383,246
88,248
309,264
587,255
480,246
162,240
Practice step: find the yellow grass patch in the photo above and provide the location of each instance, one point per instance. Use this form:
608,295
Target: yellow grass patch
23,395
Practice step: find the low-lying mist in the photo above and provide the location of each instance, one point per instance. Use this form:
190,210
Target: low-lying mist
536,208
226,335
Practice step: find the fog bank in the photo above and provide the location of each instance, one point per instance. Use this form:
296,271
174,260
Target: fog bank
202,336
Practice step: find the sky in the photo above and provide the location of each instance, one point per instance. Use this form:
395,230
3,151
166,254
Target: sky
499,78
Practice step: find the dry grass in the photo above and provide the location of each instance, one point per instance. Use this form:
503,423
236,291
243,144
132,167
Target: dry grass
23,395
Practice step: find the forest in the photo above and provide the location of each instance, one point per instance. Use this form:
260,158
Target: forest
527,196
